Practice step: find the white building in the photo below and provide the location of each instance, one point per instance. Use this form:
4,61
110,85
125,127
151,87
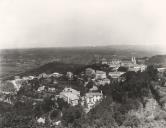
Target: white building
115,75
41,120
51,89
94,88
115,64
133,66
28,77
69,75
90,99
102,82
41,88
71,96
100,75
104,61
56,74
137,68
163,69
43,75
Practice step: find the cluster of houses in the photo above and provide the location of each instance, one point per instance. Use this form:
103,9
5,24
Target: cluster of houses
130,64
71,96
88,101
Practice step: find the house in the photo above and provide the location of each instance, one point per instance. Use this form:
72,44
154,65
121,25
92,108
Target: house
71,96
41,88
100,75
137,68
41,120
93,89
115,64
51,89
72,91
90,99
69,75
57,123
102,82
56,74
161,70
25,78
17,83
104,61
43,75
116,74
31,77
28,77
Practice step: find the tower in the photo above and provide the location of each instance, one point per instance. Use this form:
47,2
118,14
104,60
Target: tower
133,60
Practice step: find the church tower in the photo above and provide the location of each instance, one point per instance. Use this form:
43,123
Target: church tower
133,60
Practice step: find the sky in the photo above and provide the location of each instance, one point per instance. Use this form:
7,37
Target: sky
60,23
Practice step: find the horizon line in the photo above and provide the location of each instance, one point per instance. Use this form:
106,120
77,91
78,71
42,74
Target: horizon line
83,46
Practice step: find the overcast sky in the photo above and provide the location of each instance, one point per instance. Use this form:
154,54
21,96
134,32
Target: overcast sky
56,23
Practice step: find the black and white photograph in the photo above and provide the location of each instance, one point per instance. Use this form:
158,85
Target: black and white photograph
82,64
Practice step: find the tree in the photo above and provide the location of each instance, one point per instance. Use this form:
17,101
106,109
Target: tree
47,104
62,104
132,121
152,72
89,85
72,114
123,69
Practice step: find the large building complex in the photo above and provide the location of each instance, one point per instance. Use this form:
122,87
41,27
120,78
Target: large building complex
71,96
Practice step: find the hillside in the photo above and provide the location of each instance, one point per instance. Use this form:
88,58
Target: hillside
157,60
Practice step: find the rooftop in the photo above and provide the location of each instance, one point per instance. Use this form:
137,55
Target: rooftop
92,94
70,95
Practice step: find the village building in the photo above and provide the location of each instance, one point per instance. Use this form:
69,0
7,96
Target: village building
51,89
114,64
71,96
28,77
91,99
25,78
41,120
100,75
69,75
93,89
133,66
40,89
43,75
56,74
102,82
115,75
137,68
104,61
161,70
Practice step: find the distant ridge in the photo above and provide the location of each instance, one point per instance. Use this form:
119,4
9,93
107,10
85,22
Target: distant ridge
157,60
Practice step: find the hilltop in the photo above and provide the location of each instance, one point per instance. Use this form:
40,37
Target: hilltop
157,60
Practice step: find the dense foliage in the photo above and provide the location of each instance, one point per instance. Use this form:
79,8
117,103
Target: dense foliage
119,99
